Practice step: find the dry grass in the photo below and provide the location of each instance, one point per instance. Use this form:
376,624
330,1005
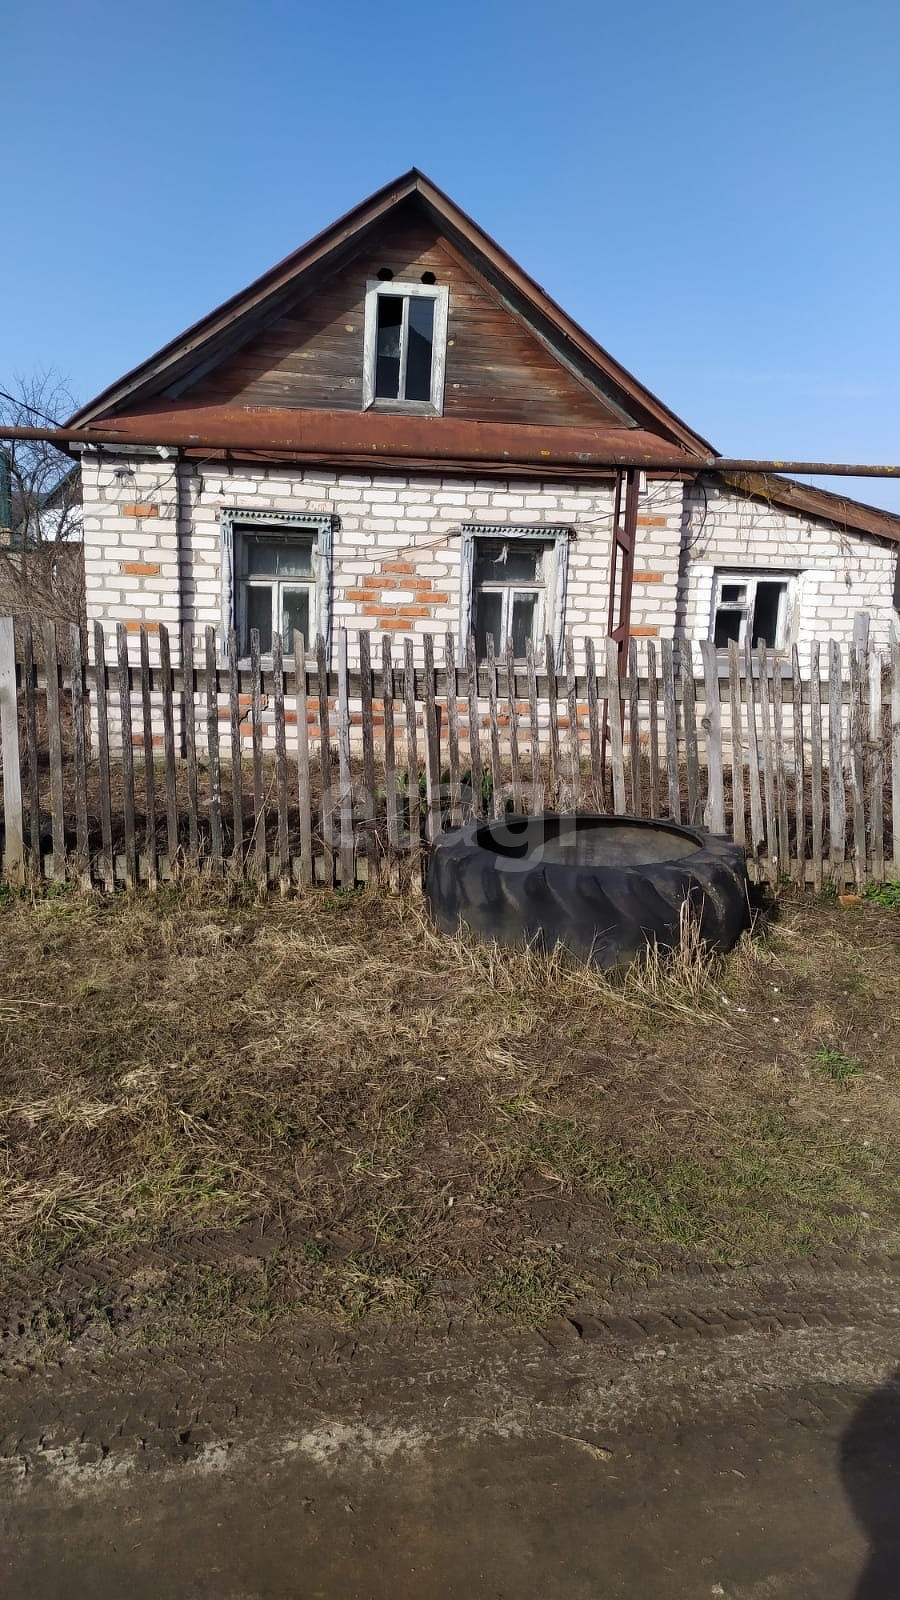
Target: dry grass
218,1109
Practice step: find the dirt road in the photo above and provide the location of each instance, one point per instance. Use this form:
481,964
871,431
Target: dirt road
747,1448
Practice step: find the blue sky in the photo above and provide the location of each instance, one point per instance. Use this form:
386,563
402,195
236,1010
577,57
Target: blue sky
711,190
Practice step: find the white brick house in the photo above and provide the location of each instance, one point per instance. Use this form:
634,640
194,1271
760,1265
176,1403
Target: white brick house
396,429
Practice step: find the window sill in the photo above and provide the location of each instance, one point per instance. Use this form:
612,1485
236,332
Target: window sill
405,408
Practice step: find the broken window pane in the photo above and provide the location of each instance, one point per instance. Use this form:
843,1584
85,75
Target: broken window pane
728,626
418,350
766,612
387,352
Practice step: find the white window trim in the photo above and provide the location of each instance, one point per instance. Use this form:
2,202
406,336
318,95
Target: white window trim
750,577
321,525
556,578
440,294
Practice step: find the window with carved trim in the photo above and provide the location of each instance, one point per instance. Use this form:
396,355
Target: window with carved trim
276,577
514,588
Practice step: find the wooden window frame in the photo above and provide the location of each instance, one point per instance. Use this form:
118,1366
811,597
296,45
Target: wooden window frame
318,528
555,538
750,578
440,294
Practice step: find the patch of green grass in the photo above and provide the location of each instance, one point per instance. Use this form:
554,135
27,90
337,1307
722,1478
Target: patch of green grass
884,894
835,1064
529,1290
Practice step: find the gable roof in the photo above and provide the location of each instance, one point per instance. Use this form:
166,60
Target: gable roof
225,329
850,516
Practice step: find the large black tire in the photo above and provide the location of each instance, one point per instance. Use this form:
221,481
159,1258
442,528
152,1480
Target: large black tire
497,880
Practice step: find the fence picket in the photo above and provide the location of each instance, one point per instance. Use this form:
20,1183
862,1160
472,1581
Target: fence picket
773,862
260,856
452,730
165,671
412,764
757,828
282,849
596,746
572,716
692,757
857,771
895,755
348,847
670,716
108,860
653,721
390,758
304,797
76,678
237,760
815,762
54,738
876,768
552,718
368,744
738,822
124,670
149,773
780,773
212,751
712,727
475,766
496,769
514,765
31,747
327,809
799,859
837,808
634,730
614,705
432,746
189,724
14,830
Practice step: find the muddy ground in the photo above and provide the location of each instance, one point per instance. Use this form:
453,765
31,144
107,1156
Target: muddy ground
722,1435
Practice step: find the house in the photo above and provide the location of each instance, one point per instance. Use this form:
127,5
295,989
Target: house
396,429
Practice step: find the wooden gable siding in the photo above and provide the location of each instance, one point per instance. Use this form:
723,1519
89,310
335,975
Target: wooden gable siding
312,356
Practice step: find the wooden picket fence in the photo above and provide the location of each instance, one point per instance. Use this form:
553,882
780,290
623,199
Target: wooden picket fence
120,769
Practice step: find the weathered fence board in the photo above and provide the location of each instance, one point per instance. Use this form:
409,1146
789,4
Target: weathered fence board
110,738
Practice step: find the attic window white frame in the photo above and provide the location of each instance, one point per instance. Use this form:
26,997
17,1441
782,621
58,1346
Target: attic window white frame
236,521
440,294
556,578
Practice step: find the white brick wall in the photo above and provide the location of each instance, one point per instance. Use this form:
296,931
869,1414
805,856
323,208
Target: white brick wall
838,575
166,566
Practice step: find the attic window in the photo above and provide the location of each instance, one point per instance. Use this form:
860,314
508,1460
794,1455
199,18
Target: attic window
405,346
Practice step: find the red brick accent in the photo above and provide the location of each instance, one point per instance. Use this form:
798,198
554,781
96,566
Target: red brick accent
644,633
646,521
141,569
649,577
139,508
378,596
134,626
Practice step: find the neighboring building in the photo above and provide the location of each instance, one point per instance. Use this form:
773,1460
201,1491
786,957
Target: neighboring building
419,439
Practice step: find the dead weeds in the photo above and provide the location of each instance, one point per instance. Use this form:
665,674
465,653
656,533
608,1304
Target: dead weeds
218,1111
